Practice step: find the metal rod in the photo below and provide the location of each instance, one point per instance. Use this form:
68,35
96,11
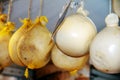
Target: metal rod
64,12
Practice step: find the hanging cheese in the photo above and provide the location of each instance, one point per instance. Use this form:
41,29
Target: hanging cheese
75,34
34,46
27,23
105,48
5,35
66,62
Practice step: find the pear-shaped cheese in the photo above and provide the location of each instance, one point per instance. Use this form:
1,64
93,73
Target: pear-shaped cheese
5,35
27,23
105,48
34,46
75,35
66,62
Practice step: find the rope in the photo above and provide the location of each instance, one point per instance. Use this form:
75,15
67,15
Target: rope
1,7
29,9
110,6
41,7
82,4
9,9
